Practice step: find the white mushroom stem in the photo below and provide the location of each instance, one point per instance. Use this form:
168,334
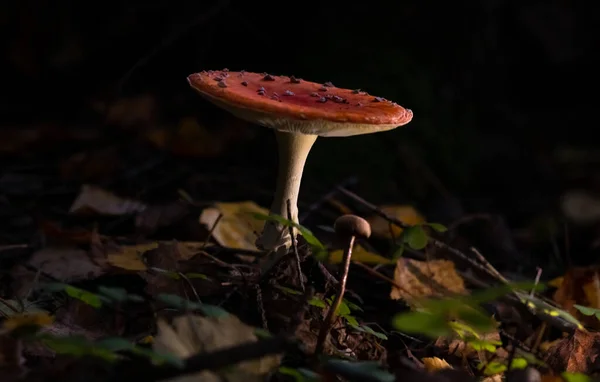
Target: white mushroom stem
293,151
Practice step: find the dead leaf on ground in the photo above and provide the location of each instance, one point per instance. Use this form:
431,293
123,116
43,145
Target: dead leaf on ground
65,264
426,279
91,166
130,256
581,286
129,112
190,138
578,353
100,201
361,255
157,216
435,363
56,234
190,335
237,227
406,214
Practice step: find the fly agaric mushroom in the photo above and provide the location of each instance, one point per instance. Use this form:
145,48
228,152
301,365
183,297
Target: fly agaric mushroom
299,111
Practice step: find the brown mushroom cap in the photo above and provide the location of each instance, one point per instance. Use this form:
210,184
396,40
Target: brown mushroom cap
352,225
298,106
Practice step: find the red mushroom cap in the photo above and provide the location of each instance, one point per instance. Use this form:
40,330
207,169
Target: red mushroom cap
294,105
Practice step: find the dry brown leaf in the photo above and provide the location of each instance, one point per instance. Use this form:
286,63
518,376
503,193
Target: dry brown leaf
103,202
237,228
406,214
128,112
435,363
426,279
191,335
64,264
580,286
577,353
189,139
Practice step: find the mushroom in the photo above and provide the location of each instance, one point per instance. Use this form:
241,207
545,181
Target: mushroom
298,118
347,228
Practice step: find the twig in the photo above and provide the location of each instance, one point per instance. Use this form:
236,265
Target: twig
295,245
331,314
212,230
8,247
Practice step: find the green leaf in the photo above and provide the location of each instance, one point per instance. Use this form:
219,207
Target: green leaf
119,294
487,345
437,227
576,377
288,290
182,304
351,320
493,368
518,363
77,346
300,374
353,306
368,330
398,252
585,310
315,301
431,325
200,276
366,370
89,298
319,250
415,237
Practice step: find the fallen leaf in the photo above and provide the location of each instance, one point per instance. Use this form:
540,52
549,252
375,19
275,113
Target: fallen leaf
64,264
578,353
103,202
580,286
361,255
189,139
58,235
130,256
435,363
129,112
406,214
38,319
425,279
237,227
192,334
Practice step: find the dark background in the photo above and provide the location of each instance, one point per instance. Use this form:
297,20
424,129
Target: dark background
502,92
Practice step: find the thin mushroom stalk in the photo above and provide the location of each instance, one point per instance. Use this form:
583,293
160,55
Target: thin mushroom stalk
293,151
348,228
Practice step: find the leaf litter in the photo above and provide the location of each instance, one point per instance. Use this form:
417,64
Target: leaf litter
109,269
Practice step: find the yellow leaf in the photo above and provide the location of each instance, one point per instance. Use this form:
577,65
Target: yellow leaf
129,256
435,363
237,227
406,214
361,255
557,282
39,319
425,279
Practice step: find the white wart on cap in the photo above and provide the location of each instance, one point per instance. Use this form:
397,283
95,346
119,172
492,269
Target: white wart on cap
299,111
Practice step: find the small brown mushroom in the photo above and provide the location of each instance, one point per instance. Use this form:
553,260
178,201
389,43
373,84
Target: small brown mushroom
347,228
